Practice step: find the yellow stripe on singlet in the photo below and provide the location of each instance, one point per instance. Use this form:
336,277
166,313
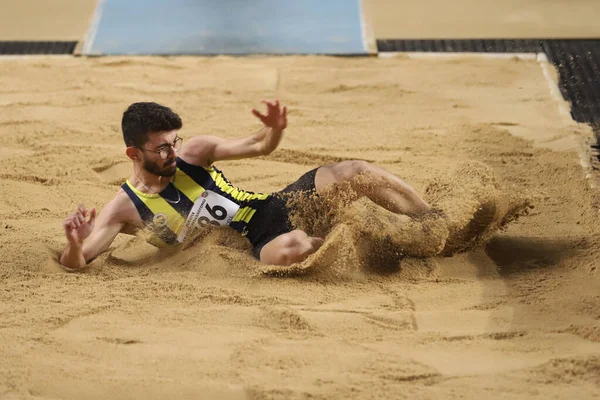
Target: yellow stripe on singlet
232,191
158,205
244,214
187,185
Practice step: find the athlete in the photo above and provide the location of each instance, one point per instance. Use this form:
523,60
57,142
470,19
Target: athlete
175,188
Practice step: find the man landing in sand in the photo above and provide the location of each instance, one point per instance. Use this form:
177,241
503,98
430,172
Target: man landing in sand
175,188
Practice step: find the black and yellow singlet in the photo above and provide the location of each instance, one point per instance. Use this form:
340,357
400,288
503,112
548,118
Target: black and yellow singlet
166,213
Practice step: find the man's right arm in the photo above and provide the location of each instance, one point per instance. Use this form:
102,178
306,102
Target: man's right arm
87,238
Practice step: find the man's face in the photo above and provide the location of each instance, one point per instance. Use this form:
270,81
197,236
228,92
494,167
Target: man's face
151,157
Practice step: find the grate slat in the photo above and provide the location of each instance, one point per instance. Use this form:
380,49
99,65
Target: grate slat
35,47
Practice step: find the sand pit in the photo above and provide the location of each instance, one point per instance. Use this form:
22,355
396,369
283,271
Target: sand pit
479,312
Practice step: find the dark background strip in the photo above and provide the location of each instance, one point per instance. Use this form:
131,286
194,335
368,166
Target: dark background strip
31,47
461,46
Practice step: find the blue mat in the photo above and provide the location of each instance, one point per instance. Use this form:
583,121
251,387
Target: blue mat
227,27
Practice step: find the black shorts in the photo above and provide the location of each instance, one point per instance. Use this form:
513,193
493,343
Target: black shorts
272,217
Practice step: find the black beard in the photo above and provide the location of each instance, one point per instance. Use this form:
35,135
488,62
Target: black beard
156,169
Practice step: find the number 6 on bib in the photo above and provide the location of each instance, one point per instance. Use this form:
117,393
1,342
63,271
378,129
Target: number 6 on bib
210,208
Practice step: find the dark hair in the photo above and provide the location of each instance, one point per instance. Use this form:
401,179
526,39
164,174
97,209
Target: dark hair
141,119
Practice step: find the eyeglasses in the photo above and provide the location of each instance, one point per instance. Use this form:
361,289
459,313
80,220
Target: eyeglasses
165,149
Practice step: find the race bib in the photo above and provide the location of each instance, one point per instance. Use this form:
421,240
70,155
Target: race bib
209,209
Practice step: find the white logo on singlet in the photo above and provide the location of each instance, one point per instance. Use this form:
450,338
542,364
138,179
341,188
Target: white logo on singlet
159,219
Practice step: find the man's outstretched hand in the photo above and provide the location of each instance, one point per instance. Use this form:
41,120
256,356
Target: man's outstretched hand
77,226
275,118
275,122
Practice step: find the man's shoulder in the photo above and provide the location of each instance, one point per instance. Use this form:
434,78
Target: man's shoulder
120,208
196,151
121,198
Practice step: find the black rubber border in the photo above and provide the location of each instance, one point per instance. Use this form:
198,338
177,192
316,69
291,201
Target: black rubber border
576,60
461,45
31,47
578,66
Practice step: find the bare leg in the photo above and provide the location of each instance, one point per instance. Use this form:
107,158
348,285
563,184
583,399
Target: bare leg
383,188
289,248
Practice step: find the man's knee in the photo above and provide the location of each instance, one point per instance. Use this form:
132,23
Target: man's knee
296,248
292,239
288,249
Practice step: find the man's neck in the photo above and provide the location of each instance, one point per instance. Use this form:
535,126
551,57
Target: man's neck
148,182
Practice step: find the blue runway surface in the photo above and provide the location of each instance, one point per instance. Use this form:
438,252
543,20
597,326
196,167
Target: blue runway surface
227,27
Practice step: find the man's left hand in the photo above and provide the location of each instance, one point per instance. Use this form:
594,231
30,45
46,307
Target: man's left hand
276,117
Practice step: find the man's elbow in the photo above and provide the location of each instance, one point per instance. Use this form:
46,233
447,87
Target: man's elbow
263,151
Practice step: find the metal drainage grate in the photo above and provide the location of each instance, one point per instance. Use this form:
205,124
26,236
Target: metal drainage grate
461,46
24,47
578,66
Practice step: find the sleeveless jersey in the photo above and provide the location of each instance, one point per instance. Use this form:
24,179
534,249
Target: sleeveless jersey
196,195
